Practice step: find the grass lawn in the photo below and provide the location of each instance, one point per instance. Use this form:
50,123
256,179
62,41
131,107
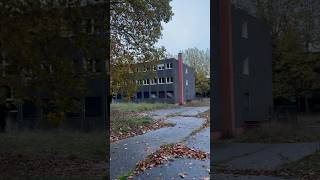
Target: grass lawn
53,154
83,145
126,124
308,167
128,119
139,107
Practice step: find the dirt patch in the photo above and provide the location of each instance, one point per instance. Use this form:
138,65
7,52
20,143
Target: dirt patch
167,153
15,164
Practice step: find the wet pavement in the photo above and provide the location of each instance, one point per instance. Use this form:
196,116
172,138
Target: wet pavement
124,154
261,156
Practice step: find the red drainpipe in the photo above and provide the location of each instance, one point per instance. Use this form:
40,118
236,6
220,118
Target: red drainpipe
180,78
227,83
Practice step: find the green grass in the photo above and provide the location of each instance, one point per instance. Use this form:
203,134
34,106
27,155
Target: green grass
83,145
139,107
127,123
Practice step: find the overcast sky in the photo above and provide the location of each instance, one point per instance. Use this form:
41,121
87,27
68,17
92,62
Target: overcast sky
189,27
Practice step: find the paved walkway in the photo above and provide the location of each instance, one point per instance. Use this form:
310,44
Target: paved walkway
124,154
260,156
194,169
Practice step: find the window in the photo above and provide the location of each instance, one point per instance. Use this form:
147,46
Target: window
169,66
244,32
93,106
161,80
153,94
169,80
146,95
89,25
29,110
245,67
146,82
139,95
246,102
170,94
162,94
155,81
4,65
187,82
186,70
161,67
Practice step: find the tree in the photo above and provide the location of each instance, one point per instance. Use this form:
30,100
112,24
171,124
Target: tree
200,61
135,28
38,41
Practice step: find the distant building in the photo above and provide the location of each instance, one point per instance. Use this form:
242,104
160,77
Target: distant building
171,81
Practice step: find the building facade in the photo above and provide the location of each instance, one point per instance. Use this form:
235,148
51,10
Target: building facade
92,112
171,81
242,71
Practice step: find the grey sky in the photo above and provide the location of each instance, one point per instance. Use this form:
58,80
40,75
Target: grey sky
189,27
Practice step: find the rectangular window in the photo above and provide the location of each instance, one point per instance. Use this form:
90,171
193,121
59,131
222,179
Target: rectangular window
245,67
244,32
161,67
93,106
29,110
162,80
187,83
162,94
88,25
246,103
169,65
169,80
146,95
146,82
139,95
170,94
153,94
186,70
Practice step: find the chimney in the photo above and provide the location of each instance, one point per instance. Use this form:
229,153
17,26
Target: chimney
180,79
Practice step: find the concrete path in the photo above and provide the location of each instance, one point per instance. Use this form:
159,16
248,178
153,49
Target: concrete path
236,177
260,156
125,153
194,169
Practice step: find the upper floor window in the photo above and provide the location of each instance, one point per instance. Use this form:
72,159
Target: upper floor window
88,25
169,80
187,83
186,70
245,67
169,66
161,67
244,30
161,80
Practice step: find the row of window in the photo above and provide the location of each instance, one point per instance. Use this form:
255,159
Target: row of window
92,108
168,80
159,67
155,94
